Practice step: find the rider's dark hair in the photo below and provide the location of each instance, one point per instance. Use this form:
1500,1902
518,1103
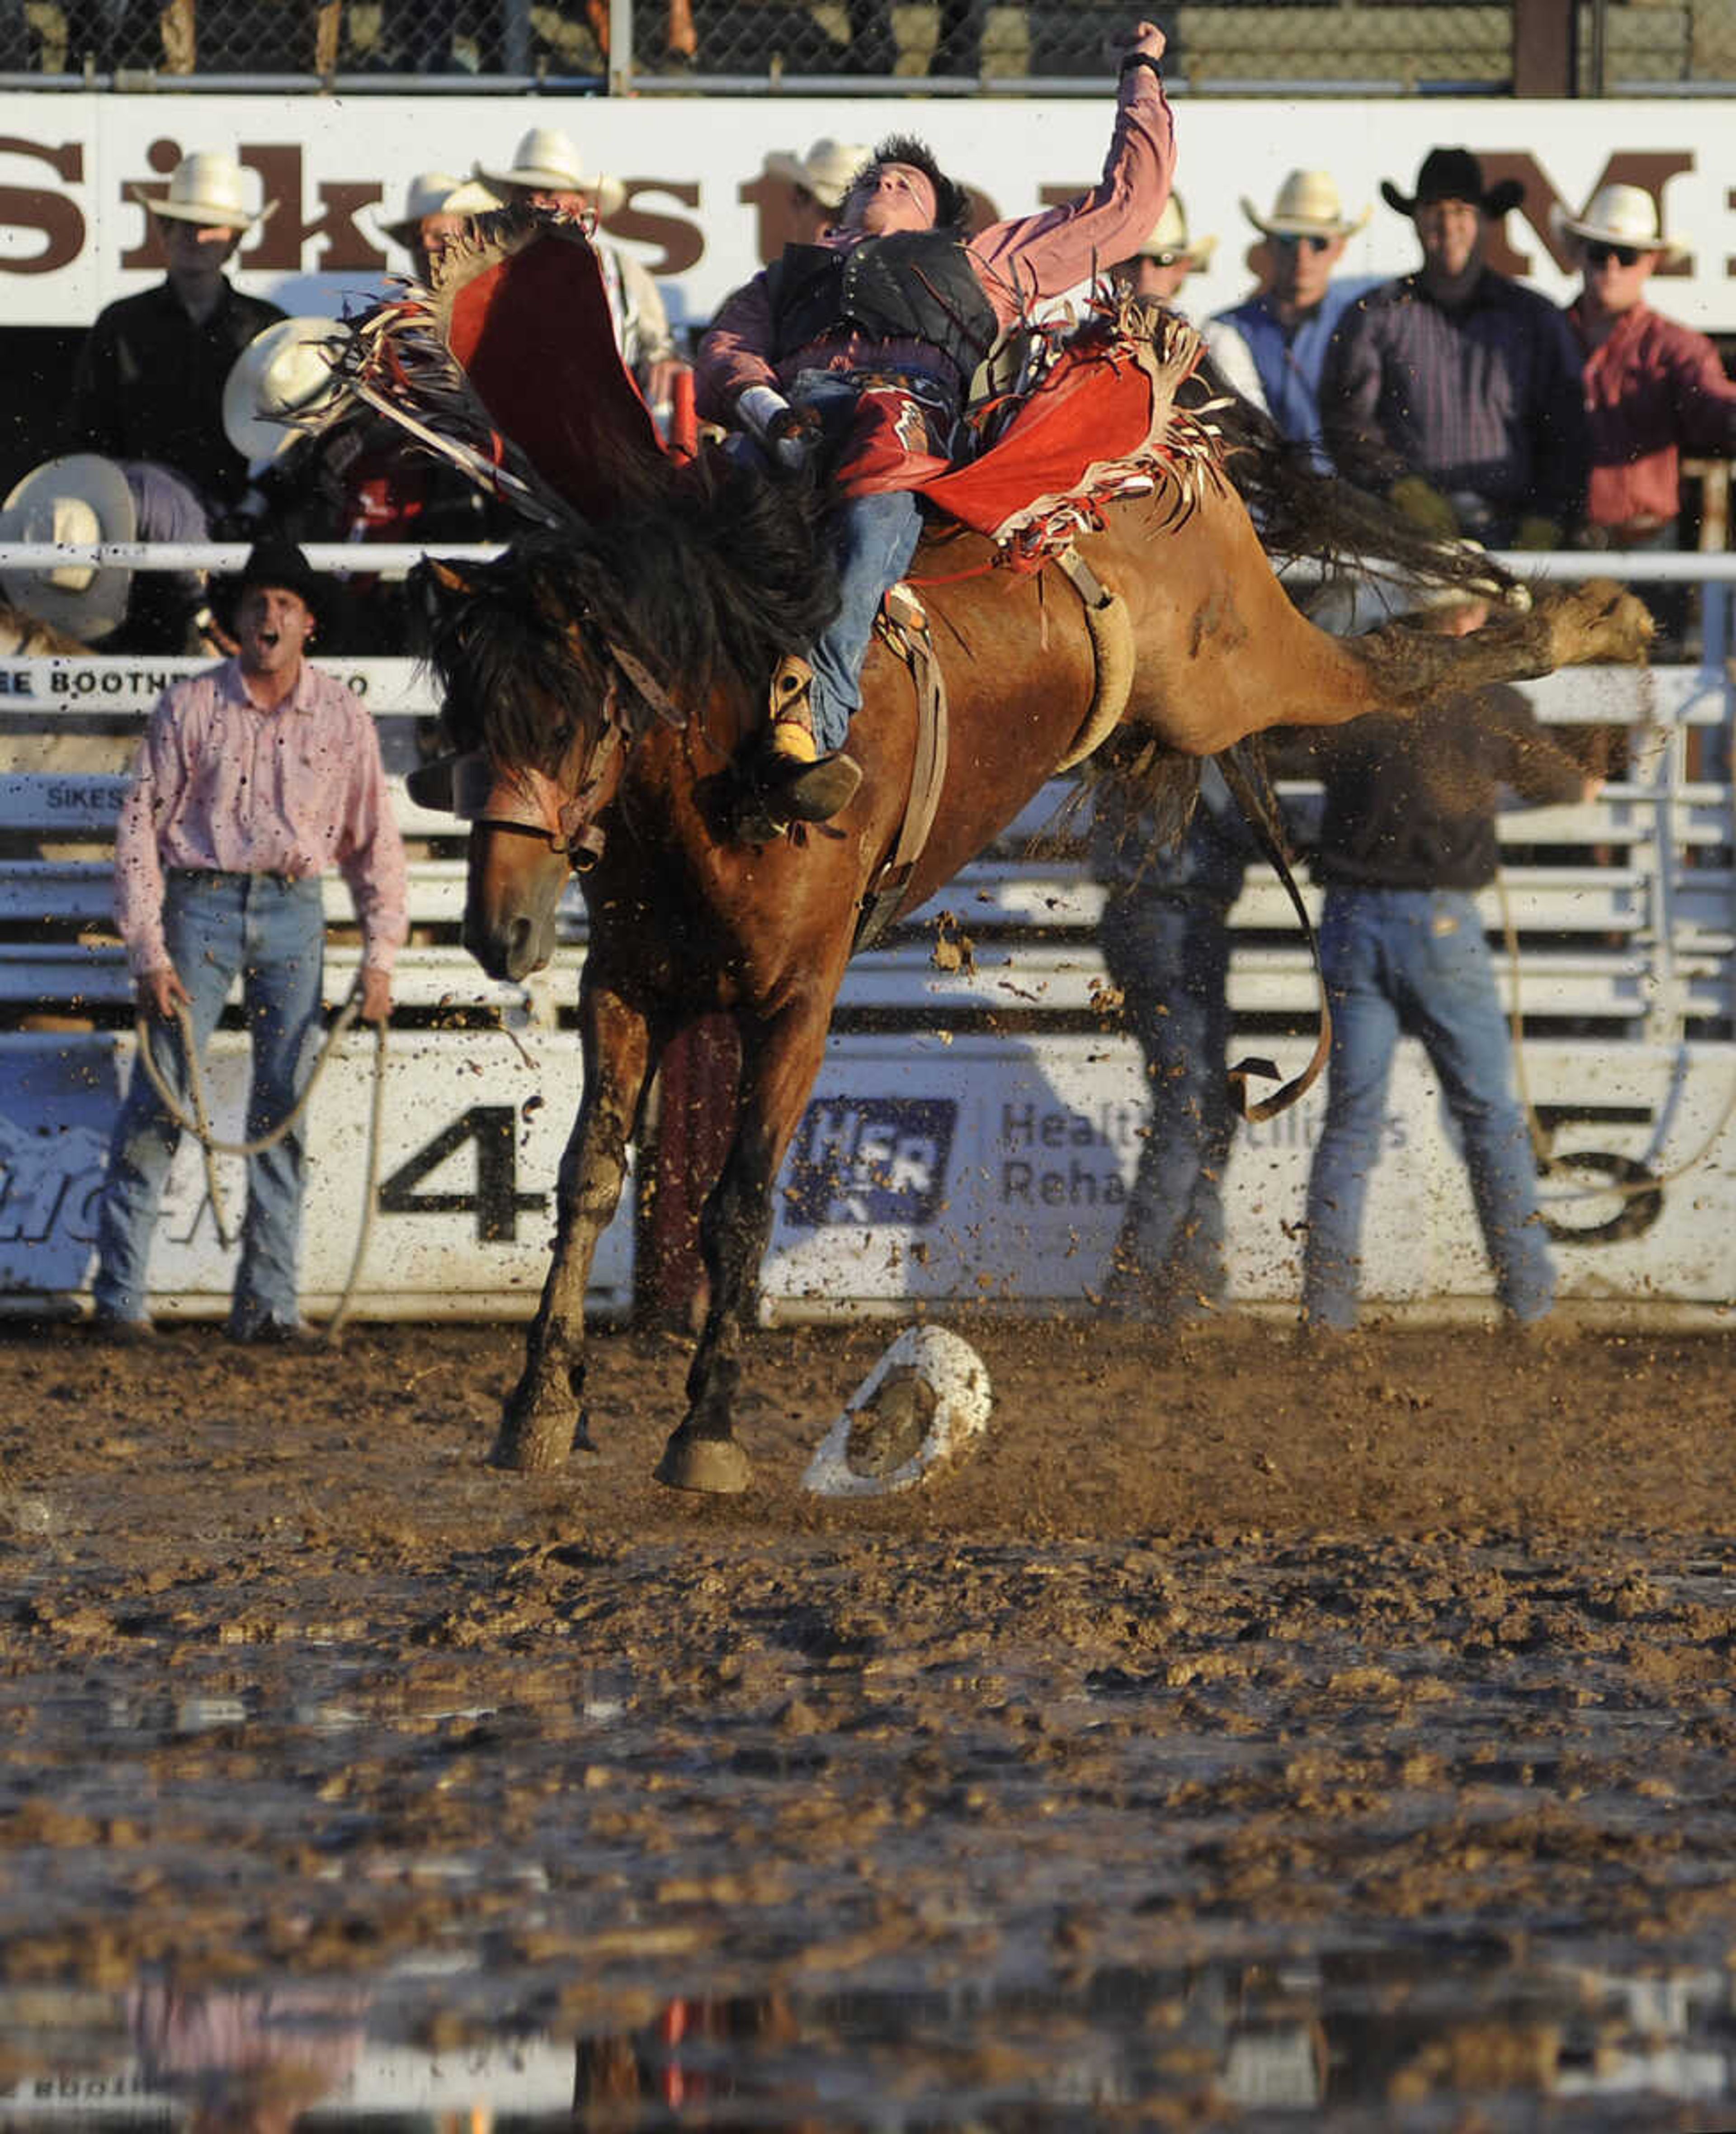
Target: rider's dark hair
952,202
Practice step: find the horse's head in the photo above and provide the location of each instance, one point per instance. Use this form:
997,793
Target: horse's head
533,709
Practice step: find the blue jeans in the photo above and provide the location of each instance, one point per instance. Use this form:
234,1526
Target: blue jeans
874,539
1170,957
272,934
1413,961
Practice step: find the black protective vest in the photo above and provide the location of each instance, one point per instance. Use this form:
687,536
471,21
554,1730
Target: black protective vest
910,285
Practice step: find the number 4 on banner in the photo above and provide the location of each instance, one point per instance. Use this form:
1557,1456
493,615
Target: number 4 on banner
496,1200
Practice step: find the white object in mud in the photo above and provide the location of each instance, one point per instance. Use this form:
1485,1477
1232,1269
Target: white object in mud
917,1414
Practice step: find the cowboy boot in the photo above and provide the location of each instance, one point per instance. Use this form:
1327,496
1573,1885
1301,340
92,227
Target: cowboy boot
801,784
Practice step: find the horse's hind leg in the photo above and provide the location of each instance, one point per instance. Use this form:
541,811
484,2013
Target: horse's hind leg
543,1414
779,1065
1566,627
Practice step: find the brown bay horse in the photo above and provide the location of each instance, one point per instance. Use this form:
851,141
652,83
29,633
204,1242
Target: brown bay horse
599,686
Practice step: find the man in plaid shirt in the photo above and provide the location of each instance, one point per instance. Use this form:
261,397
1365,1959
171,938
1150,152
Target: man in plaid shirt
1452,390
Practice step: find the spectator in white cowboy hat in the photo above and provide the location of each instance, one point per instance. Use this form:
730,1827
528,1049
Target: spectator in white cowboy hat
273,400
351,480
437,207
83,499
252,779
149,382
1452,390
546,171
1155,273
1270,347
1653,388
818,183
278,388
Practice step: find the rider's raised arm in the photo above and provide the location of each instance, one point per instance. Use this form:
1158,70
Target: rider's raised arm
1043,255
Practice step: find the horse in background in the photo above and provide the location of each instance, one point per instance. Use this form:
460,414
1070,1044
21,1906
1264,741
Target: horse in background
599,684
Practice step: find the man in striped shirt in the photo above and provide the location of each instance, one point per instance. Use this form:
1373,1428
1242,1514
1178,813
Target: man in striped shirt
1452,390
254,778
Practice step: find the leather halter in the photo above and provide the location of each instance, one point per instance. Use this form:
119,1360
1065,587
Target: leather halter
531,803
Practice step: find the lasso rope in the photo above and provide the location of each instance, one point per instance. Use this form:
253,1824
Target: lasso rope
1542,1140
211,1146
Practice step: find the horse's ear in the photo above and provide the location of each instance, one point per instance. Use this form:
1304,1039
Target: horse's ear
450,580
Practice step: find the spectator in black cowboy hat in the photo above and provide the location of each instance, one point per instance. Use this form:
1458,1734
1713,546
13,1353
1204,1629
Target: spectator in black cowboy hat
1452,390
148,383
252,779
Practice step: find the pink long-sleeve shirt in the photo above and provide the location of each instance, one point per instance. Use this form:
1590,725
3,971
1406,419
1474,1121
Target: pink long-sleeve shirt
1016,261
1653,389
221,785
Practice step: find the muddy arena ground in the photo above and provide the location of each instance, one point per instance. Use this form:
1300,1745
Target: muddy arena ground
1246,1726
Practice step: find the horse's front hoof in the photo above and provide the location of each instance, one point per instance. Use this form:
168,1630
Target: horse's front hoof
717,1466
537,1441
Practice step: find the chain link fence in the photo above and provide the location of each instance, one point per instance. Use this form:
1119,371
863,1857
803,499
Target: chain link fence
1371,47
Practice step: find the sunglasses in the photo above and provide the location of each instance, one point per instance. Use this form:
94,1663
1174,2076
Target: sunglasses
1292,244
1600,255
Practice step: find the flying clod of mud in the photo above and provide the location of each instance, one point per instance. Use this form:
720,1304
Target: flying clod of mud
915,1417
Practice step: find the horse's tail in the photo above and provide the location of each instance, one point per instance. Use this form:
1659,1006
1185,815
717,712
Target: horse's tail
1305,515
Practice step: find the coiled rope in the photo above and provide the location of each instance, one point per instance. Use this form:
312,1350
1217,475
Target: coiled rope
211,1146
1649,1183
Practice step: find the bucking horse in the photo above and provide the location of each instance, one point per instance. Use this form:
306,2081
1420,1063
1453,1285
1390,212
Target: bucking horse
1097,566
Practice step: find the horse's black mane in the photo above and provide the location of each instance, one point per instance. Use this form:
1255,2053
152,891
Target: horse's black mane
705,575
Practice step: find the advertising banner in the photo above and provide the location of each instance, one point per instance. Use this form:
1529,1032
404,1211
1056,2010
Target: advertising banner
998,1171
987,1171
703,213
473,1127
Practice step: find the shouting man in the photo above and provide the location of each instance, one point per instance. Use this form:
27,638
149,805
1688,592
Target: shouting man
254,778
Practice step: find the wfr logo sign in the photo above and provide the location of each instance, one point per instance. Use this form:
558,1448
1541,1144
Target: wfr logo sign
870,1160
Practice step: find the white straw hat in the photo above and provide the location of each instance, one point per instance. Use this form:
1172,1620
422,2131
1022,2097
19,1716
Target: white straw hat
827,171
919,1414
1307,205
81,499
207,188
1617,214
282,374
1169,240
433,192
546,159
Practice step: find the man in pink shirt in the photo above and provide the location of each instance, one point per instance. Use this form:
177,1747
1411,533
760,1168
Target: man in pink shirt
1653,388
254,778
865,341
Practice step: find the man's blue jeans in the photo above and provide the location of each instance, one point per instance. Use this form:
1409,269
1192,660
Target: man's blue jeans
875,537
1413,961
271,932
1170,959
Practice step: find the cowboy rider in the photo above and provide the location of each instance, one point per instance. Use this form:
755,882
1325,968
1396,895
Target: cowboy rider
867,339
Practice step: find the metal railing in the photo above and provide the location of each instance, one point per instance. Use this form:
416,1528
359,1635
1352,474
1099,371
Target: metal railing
357,46
1650,950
